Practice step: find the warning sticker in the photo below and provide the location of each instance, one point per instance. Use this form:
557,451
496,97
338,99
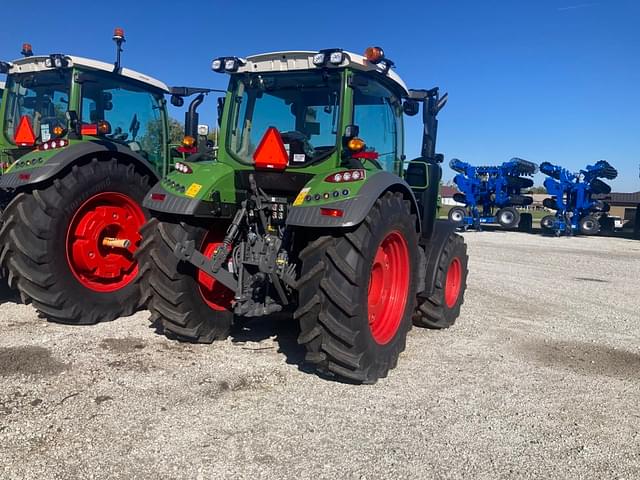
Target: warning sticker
193,190
45,134
300,198
299,157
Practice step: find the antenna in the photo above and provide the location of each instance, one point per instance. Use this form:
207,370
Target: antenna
118,37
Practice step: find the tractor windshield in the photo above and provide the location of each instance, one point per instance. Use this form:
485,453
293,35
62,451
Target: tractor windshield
40,99
304,107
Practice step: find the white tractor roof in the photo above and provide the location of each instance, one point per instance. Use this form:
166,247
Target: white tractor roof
303,60
36,64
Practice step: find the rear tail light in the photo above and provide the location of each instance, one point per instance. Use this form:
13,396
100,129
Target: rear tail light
331,212
158,197
347,176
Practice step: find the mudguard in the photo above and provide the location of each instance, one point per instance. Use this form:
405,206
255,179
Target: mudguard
354,209
432,249
19,177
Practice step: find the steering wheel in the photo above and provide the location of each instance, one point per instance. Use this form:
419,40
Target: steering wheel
299,142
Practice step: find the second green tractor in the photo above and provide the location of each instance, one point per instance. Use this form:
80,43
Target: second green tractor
308,206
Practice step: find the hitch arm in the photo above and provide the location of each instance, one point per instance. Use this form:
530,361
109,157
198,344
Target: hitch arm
187,251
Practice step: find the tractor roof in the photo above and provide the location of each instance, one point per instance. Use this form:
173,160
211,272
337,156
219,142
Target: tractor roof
303,60
37,63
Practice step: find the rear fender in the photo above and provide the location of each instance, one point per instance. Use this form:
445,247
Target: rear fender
354,209
20,177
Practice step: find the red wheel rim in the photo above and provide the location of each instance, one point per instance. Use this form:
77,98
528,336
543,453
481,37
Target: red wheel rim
216,295
95,266
388,287
453,282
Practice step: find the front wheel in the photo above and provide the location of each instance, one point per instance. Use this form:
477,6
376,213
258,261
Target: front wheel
69,247
442,308
357,291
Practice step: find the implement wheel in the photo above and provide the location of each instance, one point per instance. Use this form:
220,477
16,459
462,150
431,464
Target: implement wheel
186,303
69,247
357,293
508,217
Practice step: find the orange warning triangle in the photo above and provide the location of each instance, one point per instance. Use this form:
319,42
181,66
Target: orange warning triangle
24,135
271,153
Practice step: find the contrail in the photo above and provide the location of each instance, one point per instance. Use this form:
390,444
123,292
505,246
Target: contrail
575,7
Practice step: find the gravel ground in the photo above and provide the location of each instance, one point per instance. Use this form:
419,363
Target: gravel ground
539,378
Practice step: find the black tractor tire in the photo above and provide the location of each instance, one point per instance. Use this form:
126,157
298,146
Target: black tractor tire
550,203
175,299
589,225
548,223
526,223
457,215
460,198
441,309
508,217
36,253
598,187
335,290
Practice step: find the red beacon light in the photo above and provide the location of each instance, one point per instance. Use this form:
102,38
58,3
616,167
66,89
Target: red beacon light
118,34
27,50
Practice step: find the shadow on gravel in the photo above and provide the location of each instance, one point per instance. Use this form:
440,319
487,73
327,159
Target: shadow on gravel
6,294
585,358
285,329
29,361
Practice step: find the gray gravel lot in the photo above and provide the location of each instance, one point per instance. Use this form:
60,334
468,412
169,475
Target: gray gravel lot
539,378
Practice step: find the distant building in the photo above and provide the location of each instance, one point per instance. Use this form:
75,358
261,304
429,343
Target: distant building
446,193
623,205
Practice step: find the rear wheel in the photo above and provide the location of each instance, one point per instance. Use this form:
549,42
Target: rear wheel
508,217
457,215
68,247
188,304
589,225
357,291
442,308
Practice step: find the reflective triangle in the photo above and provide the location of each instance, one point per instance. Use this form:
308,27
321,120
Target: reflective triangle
24,135
271,153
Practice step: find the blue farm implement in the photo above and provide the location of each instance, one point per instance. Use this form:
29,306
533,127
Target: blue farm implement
492,193
572,197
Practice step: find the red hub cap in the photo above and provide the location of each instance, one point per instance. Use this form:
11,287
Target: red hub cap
388,287
107,215
453,282
216,295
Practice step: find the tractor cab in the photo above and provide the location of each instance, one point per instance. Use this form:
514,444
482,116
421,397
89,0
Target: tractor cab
54,101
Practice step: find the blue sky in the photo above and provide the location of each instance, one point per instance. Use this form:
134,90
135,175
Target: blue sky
545,80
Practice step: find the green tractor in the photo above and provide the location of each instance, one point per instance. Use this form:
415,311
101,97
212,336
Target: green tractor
81,143
307,208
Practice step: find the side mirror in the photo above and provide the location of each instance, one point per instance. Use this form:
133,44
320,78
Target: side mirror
417,175
411,107
177,101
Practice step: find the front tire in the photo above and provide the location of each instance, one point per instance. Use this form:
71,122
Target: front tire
52,243
357,293
442,308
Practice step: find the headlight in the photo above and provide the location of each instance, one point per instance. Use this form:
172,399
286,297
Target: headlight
231,64
336,58
217,65
318,59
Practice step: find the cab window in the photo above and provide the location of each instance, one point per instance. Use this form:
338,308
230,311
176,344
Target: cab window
377,111
134,115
